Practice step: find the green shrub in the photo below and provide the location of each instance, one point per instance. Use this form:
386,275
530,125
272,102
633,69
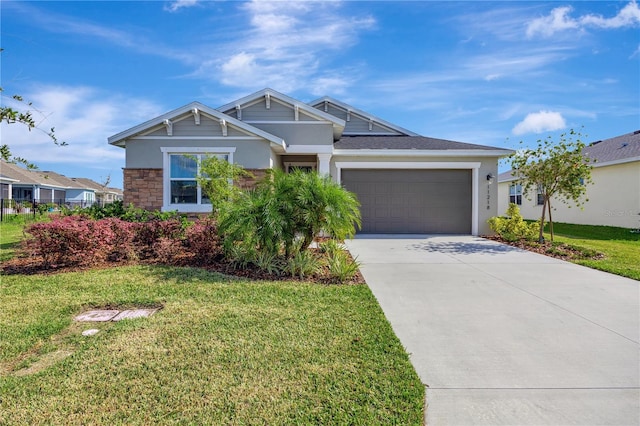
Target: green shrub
513,227
284,207
303,264
341,267
330,247
269,263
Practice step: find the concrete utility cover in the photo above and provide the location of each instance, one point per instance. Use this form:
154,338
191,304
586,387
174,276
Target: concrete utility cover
90,332
134,313
99,315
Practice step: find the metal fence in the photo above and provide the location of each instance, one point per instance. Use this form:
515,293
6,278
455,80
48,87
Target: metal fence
30,209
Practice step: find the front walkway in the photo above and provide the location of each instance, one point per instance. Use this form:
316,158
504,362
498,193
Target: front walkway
503,336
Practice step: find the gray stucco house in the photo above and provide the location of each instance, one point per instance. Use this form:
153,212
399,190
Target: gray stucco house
406,183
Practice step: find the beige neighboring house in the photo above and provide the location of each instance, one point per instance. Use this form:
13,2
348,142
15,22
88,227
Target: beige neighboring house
405,182
614,196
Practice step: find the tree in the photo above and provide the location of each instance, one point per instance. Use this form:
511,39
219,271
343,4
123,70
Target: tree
216,179
557,170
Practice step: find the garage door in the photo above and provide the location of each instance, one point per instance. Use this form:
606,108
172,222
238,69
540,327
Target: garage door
412,201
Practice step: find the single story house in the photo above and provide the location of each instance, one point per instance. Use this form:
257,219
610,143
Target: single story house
614,196
103,194
406,183
6,187
31,185
23,184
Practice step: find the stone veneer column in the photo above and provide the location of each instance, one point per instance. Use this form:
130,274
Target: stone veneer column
250,182
143,188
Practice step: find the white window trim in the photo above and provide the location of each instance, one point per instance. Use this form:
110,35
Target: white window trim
167,151
517,192
473,166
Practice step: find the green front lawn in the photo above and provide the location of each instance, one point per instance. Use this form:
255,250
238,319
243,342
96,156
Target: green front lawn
221,351
10,236
620,246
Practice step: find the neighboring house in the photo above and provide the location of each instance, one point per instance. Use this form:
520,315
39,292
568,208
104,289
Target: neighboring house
77,194
31,185
6,186
614,196
406,183
22,184
104,194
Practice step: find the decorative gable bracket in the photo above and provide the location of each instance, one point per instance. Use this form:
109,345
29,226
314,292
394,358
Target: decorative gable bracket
238,112
296,112
223,125
267,99
169,126
196,116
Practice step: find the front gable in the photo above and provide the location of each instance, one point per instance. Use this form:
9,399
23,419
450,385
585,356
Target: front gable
193,121
281,115
359,122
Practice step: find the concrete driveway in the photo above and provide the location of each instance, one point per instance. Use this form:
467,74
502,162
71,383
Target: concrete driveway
504,336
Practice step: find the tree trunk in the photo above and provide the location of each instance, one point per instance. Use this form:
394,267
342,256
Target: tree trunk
550,220
541,234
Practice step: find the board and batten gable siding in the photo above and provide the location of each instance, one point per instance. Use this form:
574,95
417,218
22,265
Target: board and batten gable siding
486,193
146,153
187,127
306,133
277,111
357,124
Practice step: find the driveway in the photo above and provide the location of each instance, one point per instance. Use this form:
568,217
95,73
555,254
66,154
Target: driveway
504,336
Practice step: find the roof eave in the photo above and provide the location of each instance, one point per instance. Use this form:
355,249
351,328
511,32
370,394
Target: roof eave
423,152
121,138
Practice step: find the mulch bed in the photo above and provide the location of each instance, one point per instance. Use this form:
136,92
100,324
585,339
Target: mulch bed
554,249
32,265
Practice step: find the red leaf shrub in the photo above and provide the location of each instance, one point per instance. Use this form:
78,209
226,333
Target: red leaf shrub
77,240
69,241
148,234
202,240
167,250
122,240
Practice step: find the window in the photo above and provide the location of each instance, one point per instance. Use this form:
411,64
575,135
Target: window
515,194
181,189
297,165
540,195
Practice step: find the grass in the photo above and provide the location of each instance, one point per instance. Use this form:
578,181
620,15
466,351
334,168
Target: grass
220,351
620,247
10,236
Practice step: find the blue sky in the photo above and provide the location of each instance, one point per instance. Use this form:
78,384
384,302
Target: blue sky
492,73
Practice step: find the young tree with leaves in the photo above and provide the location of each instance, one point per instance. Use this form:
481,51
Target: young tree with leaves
216,179
11,116
554,170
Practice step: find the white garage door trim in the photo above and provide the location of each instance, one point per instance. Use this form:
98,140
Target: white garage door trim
473,166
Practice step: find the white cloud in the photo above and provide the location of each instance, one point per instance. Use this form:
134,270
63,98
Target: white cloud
83,117
286,46
180,4
560,20
538,122
629,16
557,20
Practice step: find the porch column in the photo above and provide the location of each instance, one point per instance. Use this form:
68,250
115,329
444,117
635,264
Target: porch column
323,163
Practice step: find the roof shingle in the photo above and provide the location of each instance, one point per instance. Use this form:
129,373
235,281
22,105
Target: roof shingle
406,142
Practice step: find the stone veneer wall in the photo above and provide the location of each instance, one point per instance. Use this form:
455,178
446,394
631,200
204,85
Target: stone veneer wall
250,182
143,187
